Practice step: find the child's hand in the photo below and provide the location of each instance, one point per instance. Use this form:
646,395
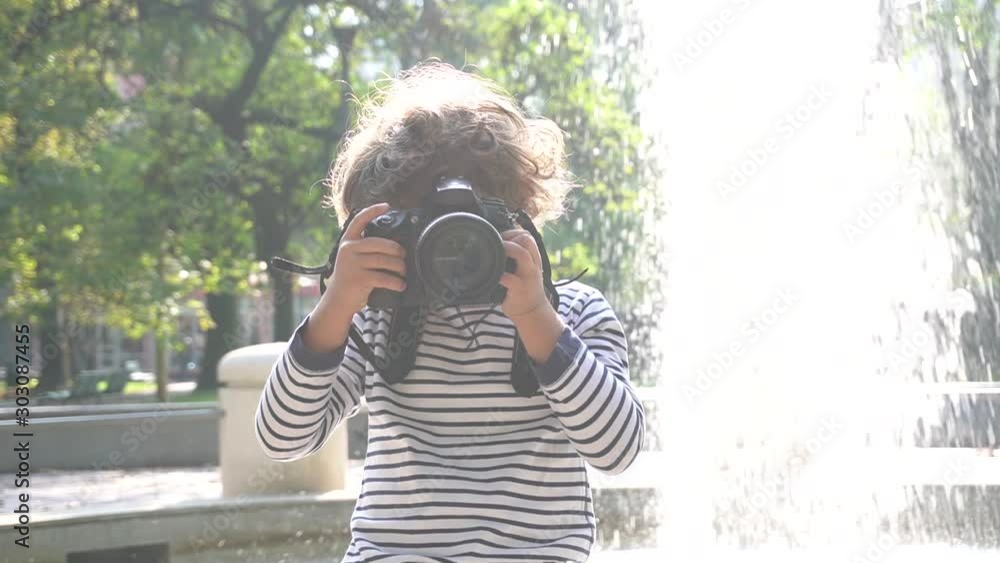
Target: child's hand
363,263
525,291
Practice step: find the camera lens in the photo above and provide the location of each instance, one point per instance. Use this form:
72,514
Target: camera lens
460,258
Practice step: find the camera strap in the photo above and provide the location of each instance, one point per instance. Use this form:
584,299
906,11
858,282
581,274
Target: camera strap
324,272
522,375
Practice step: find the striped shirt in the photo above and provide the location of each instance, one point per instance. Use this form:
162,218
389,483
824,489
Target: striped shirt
459,466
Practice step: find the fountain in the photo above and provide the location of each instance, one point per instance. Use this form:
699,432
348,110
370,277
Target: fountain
829,392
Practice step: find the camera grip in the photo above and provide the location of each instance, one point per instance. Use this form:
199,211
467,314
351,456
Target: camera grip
382,298
510,266
500,293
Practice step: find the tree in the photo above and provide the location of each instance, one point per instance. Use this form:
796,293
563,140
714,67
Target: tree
47,126
205,126
960,137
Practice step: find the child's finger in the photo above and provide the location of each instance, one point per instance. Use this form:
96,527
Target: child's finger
527,242
510,281
518,236
524,239
513,233
383,262
375,278
379,245
356,227
519,254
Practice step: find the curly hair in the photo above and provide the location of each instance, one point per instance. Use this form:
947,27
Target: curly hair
434,119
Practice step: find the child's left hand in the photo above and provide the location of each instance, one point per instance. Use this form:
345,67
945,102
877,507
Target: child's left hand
525,290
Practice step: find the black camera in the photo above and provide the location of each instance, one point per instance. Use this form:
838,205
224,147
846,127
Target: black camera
454,253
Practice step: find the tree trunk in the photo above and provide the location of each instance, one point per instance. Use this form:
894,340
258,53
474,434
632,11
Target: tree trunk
162,375
281,292
271,234
66,365
50,377
51,341
8,354
222,307
162,324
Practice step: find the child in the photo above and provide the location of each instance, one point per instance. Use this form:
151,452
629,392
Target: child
459,467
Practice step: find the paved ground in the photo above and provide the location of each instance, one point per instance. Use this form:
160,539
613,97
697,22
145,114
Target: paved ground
66,492
73,491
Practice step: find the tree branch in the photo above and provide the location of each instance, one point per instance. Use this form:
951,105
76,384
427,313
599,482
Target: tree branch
331,133
345,46
382,17
203,10
262,50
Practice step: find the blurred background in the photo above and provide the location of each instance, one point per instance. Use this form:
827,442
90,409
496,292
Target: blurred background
794,206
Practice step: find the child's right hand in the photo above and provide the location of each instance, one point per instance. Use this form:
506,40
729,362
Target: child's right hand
363,263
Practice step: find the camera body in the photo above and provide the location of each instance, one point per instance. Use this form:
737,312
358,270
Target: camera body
454,252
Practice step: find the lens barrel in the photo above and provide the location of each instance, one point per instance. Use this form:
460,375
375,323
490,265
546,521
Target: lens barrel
459,258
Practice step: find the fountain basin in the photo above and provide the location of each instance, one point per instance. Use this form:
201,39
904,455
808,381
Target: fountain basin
308,527
121,436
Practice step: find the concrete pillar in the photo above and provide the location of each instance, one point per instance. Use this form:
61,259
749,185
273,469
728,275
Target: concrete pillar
244,466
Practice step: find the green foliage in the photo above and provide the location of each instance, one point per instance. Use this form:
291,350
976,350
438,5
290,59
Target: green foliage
146,162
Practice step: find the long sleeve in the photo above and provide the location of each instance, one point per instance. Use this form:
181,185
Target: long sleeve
586,381
307,395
